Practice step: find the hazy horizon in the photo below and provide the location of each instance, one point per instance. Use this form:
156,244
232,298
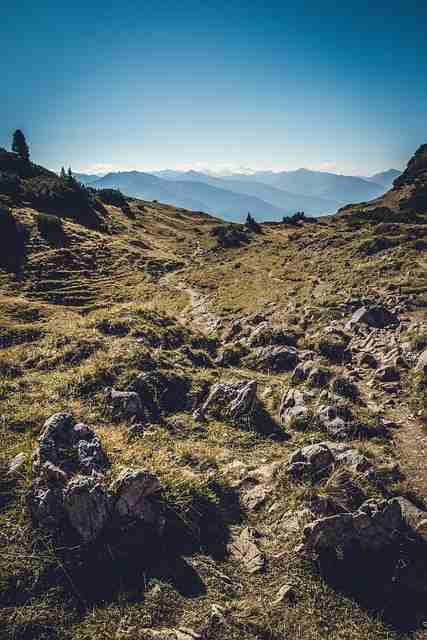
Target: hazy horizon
205,86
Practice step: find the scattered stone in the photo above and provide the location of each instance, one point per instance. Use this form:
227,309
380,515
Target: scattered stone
388,373
245,550
125,404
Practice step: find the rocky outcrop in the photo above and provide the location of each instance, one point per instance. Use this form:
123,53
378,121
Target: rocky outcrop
232,401
375,525
69,487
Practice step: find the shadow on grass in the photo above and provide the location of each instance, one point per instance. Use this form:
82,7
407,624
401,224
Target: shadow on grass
120,564
391,584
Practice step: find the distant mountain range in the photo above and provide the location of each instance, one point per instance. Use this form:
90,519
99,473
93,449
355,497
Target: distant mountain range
267,195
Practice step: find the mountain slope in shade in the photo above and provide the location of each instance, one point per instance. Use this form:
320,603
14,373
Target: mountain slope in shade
144,185
190,194
385,178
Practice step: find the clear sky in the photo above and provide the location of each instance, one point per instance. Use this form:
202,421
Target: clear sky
151,84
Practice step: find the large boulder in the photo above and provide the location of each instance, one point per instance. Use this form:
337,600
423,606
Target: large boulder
376,524
376,316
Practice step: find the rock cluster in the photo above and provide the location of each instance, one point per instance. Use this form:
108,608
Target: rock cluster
70,485
313,461
376,524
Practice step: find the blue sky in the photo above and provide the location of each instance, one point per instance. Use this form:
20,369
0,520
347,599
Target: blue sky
149,84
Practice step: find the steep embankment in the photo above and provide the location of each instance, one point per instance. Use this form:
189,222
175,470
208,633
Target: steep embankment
250,399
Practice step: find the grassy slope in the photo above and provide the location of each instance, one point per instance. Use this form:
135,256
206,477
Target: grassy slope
73,322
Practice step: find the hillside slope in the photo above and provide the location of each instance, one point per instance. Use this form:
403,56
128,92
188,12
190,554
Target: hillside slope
198,368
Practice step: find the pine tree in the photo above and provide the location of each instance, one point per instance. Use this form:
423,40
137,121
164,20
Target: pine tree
19,145
63,175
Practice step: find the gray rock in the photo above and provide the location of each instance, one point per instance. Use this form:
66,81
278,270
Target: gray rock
235,401
375,525
86,504
126,404
132,492
376,316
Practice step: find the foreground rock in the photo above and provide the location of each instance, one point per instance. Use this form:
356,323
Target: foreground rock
375,525
69,487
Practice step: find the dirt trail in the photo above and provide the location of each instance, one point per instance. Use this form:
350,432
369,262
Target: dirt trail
197,311
410,439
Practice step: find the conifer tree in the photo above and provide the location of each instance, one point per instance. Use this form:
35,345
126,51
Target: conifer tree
19,145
